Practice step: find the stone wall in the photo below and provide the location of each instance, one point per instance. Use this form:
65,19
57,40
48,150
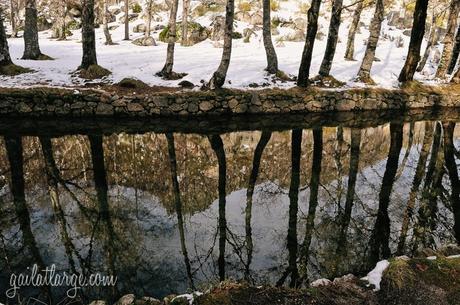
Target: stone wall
45,102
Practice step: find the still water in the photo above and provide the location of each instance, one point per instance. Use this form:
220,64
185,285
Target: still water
166,212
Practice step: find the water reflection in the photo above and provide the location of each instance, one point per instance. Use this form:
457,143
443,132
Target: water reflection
167,212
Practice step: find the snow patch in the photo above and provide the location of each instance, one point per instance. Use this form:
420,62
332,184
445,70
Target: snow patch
321,282
375,276
189,296
454,256
431,258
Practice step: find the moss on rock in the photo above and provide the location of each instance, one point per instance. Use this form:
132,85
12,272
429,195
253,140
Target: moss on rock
94,72
12,70
132,83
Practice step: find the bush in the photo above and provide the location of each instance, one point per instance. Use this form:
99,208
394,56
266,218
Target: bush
236,35
137,8
244,6
204,8
304,7
274,5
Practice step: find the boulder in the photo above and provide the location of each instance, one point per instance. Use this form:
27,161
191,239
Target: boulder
145,41
74,12
140,28
218,28
243,16
257,18
128,299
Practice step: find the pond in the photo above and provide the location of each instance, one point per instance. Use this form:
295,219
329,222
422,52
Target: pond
169,207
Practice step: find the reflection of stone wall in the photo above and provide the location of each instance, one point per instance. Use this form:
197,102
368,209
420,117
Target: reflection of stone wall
73,103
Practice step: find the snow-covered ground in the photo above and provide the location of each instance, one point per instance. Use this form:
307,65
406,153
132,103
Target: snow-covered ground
200,61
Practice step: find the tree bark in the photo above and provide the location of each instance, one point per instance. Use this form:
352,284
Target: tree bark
380,238
455,52
264,138
418,177
429,46
364,73
13,17
178,207
218,78
5,58
332,38
167,70
185,13
31,46
105,15
126,19
149,19
88,35
449,156
416,38
350,50
448,39
218,147
272,60
312,29
313,201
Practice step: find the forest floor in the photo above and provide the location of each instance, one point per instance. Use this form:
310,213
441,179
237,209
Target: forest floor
248,62
418,281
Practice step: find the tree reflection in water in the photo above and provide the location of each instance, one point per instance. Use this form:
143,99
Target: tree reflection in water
148,212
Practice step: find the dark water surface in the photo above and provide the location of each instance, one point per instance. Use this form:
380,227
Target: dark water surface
167,206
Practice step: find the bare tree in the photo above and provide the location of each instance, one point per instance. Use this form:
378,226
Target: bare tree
272,59
332,38
448,39
416,38
31,45
218,78
350,50
430,45
14,18
185,15
312,29
167,71
105,22
364,73
6,64
126,19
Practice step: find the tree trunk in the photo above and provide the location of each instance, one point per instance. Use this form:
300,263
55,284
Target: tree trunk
272,60
178,207
105,15
185,13
380,238
167,70
455,53
350,50
149,19
5,58
449,156
218,147
416,38
429,46
332,38
312,29
292,243
448,39
31,46
264,138
126,19
418,177
364,73
13,17
218,78
59,26
88,35
313,201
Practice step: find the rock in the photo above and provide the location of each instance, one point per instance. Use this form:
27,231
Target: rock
99,302
247,34
218,28
132,83
206,106
74,12
148,301
257,18
126,300
140,28
135,107
186,84
196,33
296,36
114,10
243,16
145,41
407,32
104,109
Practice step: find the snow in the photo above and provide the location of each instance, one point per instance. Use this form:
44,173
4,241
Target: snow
431,258
201,60
454,256
189,296
320,282
375,276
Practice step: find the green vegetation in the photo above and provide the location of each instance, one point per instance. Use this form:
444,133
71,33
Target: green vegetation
12,70
94,72
137,8
244,6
